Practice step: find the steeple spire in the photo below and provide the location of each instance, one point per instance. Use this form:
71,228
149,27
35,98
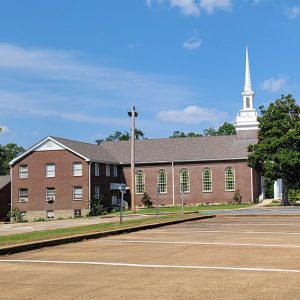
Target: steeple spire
247,87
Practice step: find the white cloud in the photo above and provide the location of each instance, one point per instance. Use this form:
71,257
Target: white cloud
293,12
186,7
192,43
209,6
273,85
149,2
192,115
4,129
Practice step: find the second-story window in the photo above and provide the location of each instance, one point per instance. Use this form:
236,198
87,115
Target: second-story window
97,169
50,170
107,169
77,169
115,170
23,171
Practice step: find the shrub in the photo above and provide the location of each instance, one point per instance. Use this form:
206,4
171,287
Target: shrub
237,196
39,219
16,215
147,200
96,208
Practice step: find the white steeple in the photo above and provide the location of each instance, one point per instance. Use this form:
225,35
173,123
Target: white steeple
247,117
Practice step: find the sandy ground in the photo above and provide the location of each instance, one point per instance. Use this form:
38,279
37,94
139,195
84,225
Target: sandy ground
221,258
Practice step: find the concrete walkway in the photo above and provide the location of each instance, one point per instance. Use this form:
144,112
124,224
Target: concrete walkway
15,228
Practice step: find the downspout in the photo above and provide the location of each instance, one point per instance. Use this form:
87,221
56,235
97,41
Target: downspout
173,184
252,193
89,207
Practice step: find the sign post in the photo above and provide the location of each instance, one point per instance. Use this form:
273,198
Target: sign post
122,189
157,201
182,193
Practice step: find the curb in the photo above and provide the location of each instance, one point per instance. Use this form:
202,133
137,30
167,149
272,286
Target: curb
79,238
263,216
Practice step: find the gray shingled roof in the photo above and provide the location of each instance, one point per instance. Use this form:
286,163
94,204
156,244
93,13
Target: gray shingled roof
4,180
165,149
90,151
181,149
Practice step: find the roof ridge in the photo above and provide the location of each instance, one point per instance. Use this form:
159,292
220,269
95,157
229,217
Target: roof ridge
56,137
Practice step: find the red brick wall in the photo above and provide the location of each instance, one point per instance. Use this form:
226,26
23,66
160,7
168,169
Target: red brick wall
5,195
37,181
218,194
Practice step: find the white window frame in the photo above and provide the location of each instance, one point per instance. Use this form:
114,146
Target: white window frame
97,169
226,179
49,214
139,184
50,173
23,171
77,169
161,184
97,191
107,167
50,192
74,193
22,196
206,181
187,184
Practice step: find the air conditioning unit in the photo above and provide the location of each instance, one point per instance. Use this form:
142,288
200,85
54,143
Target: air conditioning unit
50,198
23,200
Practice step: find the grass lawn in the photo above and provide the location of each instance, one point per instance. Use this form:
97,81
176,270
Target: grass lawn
15,239
177,209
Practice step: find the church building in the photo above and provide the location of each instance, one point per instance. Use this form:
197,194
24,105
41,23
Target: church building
58,177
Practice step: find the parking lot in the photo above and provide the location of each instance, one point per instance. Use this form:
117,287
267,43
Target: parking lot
220,258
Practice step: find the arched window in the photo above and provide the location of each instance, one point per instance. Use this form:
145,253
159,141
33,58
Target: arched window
139,182
162,181
229,179
206,180
184,180
247,102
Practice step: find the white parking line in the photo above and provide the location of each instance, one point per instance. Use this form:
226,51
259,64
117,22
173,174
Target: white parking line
146,265
227,231
196,243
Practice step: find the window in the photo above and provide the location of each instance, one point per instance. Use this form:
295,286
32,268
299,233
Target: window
206,180
97,192
77,193
184,180
49,214
77,169
229,179
107,169
50,194
162,181
50,170
139,182
77,213
247,102
115,170
97,169
23,171
23,195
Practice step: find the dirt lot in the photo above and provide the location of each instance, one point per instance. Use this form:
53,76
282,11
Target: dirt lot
221,258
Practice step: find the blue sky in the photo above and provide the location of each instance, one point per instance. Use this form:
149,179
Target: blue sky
73,68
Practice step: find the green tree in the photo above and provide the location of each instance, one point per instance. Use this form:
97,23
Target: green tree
122,136
7,153
177,134
277,153
226,129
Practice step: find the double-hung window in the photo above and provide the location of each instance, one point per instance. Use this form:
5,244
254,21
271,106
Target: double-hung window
115,171
206,180
162,181
139,182
50,170
50,194
107,169
77,192
77,169
184,181
23,195
97,169
229,179
97,192
23,171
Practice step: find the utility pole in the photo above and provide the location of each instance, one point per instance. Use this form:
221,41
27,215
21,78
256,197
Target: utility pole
133,114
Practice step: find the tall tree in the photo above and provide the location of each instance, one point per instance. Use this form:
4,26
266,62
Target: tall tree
122,136
277,153
226,129
7,153
177,134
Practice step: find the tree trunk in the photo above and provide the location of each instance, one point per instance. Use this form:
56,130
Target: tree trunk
285,194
